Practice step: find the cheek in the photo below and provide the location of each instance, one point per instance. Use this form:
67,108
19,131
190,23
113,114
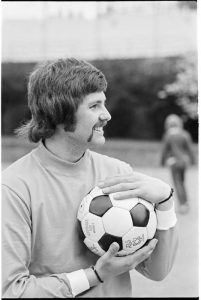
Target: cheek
84,128
86,122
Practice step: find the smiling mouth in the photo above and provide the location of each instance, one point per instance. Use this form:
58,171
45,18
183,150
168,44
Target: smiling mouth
98,129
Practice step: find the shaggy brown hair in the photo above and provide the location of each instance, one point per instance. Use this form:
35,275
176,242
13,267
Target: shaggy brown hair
55,90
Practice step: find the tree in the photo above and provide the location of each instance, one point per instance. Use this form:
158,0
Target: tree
185,87
187,4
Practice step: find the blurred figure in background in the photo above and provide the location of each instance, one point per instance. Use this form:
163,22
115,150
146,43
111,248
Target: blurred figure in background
177,154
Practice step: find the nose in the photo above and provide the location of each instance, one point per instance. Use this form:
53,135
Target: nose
105,115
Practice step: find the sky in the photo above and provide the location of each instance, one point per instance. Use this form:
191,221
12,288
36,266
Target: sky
36,9
39,9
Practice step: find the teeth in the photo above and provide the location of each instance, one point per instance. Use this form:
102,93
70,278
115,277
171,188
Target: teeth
98,128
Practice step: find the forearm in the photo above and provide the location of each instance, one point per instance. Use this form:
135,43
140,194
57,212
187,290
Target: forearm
65,285
18,279
159,264
161,261
25,286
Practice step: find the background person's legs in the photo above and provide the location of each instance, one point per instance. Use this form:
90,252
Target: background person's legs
178,175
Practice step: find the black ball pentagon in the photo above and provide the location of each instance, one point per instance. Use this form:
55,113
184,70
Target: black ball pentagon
99,205
108,239
140,215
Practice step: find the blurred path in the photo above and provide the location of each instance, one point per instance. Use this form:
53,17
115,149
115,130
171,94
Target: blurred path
182,281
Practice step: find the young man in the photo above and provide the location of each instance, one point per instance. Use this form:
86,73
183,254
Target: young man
43,255
177,154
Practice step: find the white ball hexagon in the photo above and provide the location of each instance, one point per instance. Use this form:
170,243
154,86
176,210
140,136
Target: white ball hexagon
134,239
96,192
94,247
125,204
147,204
92,227
84,207
117,221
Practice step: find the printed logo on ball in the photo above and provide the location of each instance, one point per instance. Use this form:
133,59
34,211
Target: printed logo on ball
135,241
90,227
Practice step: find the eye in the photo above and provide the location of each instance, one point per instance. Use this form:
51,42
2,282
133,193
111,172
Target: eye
94,106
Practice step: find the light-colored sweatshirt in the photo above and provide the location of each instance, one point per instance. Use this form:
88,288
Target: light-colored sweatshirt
177,145
41,194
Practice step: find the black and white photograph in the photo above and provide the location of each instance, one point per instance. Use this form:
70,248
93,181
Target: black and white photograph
99,149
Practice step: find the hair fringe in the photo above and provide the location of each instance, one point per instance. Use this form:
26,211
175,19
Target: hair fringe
23,130
32,132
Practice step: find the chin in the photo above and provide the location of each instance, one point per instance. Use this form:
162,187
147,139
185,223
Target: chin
98,141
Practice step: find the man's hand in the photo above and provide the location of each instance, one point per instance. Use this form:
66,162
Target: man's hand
110,265
135,185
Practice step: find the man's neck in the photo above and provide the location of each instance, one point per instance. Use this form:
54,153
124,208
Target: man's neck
64,149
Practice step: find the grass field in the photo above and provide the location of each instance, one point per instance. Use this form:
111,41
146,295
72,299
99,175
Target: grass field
144,157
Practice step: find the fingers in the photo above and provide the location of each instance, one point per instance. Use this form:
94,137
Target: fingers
127,194
115,180
111,265
121,183
112,251
151,245
120,187
143,253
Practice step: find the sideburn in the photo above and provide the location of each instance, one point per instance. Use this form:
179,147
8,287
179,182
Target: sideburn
90,137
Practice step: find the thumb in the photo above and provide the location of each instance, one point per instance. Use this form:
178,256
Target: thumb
113,249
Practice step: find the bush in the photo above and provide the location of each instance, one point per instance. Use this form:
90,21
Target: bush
133,86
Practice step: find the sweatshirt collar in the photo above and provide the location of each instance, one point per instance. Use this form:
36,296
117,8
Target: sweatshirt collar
56,164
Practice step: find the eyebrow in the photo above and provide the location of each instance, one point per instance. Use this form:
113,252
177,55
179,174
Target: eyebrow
97,101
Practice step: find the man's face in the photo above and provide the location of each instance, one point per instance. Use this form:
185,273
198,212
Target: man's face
91,117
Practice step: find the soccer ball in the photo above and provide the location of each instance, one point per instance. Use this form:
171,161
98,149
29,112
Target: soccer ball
103,220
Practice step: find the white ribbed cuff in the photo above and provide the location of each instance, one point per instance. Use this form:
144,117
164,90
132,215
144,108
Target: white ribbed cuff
166,219
78,281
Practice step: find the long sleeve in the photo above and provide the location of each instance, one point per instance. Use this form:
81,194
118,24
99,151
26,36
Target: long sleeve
41,244
159,264
17,281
